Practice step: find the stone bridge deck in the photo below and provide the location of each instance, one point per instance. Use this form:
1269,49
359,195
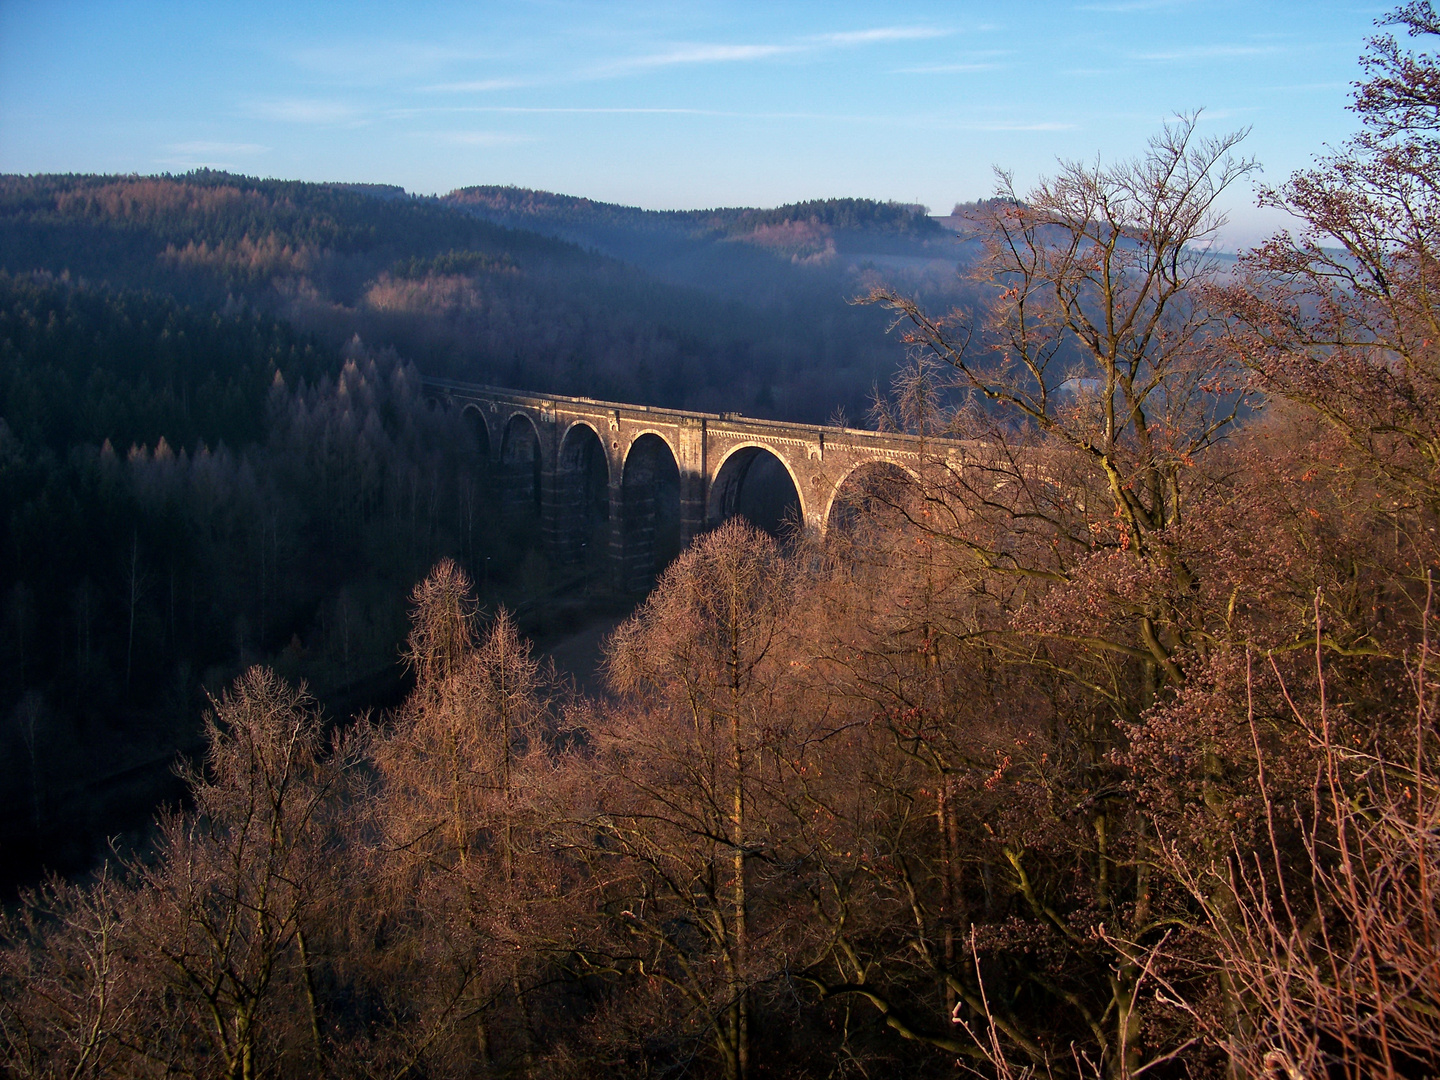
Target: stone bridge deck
642,480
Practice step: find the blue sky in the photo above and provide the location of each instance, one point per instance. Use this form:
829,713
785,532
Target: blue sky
667,105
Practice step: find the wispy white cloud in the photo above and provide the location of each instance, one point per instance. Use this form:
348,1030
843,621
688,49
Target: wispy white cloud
950,69
302,111
677,56
698,54
477,86
717,53
626,110
544,110
883,33
622,110
882,120
885,120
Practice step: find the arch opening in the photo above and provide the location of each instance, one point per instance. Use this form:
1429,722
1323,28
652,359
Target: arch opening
754,483
582,499
876,492
477,494
519,486
650,509
479,430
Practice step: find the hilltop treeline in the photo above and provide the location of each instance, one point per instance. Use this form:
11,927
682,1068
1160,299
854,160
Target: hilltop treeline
796,259
208,234
465,297
525,207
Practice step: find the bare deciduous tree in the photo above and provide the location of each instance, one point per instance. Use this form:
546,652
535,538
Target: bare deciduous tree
69,1002
1344,317
222,911
1095,372
1329,923
462,870
689,766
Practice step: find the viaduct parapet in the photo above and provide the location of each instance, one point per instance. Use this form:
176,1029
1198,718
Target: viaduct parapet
640,482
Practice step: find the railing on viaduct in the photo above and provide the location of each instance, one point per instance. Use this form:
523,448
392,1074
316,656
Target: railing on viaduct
642,481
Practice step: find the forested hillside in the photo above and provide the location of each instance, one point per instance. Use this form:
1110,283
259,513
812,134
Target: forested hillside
750,313
211,235
797,258
586,221
183,492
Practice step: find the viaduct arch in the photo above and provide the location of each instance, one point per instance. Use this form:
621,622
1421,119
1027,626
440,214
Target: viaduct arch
638,483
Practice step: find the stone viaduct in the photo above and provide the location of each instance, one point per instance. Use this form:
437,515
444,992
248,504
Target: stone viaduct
633,484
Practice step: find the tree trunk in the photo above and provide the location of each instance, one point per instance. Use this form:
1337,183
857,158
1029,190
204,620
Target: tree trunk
310,1001
947,884
740,929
